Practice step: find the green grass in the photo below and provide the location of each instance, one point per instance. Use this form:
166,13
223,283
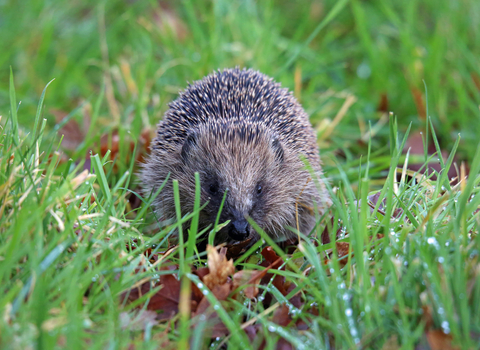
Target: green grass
66,236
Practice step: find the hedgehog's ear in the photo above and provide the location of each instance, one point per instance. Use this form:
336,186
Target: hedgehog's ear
277,149
189,143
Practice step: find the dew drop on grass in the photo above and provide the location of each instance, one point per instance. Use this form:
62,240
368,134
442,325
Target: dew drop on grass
349,313
294,311
445,327
272,328
205,292
441,259
440,310
364,71
216,307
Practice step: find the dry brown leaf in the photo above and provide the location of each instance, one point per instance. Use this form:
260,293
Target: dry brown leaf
383,104
250,277
440,341
342,248
217,327
220,268
165,300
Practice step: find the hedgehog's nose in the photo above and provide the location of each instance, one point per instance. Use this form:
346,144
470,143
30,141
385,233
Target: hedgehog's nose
239,230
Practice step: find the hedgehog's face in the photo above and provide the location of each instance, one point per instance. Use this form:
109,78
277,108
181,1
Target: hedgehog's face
254,172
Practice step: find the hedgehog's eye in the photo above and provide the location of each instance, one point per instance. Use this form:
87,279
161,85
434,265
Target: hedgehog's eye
259,189
213,188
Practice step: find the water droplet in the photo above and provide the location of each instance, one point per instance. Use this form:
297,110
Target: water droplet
364,71
445,327
349,313
272,328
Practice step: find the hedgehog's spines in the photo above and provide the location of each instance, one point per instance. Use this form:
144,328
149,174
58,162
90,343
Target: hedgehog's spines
242,94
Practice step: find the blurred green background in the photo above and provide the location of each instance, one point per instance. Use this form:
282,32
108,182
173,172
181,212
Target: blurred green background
376,55
117,65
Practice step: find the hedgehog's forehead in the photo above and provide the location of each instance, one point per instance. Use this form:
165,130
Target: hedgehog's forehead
240,131
238,152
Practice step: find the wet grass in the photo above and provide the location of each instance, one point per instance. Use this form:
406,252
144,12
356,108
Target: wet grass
65,234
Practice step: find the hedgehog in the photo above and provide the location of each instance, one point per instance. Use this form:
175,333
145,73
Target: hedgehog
249,140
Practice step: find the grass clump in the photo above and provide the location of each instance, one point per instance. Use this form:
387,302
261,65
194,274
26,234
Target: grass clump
394,264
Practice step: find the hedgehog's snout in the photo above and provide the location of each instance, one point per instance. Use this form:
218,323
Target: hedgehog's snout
239,229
